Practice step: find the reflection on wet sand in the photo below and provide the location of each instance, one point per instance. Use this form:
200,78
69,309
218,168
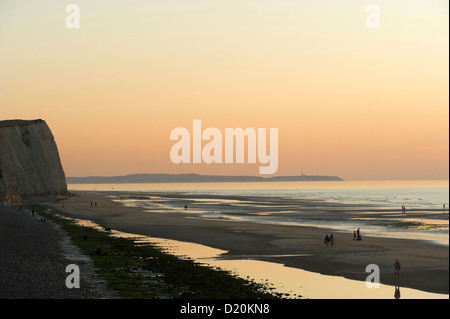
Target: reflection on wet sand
305,284
247,236
292,282
297,283
378,219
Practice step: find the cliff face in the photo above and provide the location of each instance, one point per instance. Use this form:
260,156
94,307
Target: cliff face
29,160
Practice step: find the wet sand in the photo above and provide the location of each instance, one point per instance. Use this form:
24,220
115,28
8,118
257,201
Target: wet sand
424,266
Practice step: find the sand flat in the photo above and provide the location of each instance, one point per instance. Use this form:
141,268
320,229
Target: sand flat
424,266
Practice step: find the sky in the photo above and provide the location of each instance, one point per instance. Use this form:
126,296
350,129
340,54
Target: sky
348,99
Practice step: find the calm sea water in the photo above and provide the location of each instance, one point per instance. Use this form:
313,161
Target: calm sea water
373,206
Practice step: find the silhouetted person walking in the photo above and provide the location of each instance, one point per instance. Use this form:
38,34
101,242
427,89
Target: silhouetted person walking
397,268
327,240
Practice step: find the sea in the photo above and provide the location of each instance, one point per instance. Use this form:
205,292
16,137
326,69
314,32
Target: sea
375,207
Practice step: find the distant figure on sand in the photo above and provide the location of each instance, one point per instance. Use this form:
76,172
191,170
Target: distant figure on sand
358,235
397,268
185,207
354,235
397,292
403,209
332,240
327,240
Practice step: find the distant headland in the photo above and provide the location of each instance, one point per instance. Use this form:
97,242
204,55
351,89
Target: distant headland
193,178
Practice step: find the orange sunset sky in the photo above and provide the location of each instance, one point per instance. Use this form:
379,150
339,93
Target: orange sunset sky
348,100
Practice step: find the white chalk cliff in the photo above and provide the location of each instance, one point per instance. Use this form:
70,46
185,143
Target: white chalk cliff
29,160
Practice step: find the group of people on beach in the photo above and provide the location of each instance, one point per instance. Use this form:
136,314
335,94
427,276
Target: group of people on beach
329,240
357,235
42,219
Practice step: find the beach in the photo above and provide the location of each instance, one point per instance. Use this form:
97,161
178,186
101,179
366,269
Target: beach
424,263
34,255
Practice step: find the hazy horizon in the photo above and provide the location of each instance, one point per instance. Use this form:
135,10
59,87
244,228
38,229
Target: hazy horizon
350,101
268,177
